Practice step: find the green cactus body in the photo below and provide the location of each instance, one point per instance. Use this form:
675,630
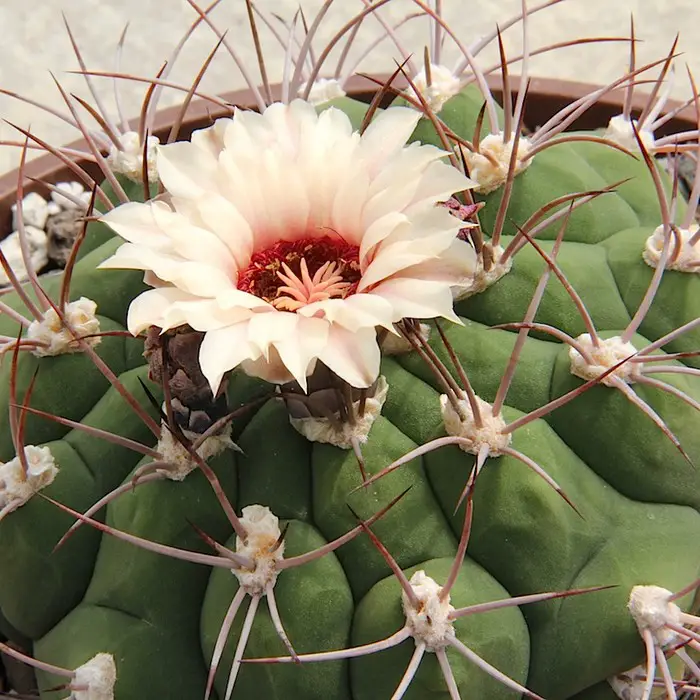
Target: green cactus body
638,498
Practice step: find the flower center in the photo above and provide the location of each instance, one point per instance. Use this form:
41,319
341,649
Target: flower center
292,274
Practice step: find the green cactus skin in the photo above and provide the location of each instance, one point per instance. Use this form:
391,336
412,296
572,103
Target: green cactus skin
639,500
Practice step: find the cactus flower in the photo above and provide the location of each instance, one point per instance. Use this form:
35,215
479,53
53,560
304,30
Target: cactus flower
290,238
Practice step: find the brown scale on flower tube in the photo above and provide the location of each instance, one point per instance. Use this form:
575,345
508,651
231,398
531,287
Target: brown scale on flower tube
177,351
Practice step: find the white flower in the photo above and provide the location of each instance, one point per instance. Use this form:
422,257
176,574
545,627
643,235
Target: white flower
443,85
56,339
287,239
128,160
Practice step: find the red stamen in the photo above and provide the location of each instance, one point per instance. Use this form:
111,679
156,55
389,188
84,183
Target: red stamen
268,273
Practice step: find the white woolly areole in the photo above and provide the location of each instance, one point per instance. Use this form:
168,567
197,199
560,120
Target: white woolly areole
35,211
263,532
128,160
37,242
607,354
482,279
620,131
652,610
488,175
179,459
688,259
430,623
57,339
98,675
443,86
398,345
323,430
490,433
16,487
323,90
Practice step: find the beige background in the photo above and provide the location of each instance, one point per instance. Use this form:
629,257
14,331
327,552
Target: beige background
34,42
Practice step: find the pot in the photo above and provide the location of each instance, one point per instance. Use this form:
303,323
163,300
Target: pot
545,98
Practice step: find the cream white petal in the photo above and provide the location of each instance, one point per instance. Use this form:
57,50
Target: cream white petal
353,313
232,229
169,308
152,280
456,264
295,339
272,369
425,223
211,139
192,242
248,134
413,160
439,181
298,352
354,357
156,227
381,229
387,133
223,349
128,257
395,257
330,178
189,209
232,298
149,308
185,171
242,186
333,127
347,207
193,277
204,315
288,218
135,223
393,199
291,125
415,298
265,329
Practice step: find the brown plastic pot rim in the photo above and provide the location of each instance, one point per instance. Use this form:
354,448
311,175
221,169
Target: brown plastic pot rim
545,98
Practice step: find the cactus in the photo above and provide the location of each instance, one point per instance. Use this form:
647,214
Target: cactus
404,404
